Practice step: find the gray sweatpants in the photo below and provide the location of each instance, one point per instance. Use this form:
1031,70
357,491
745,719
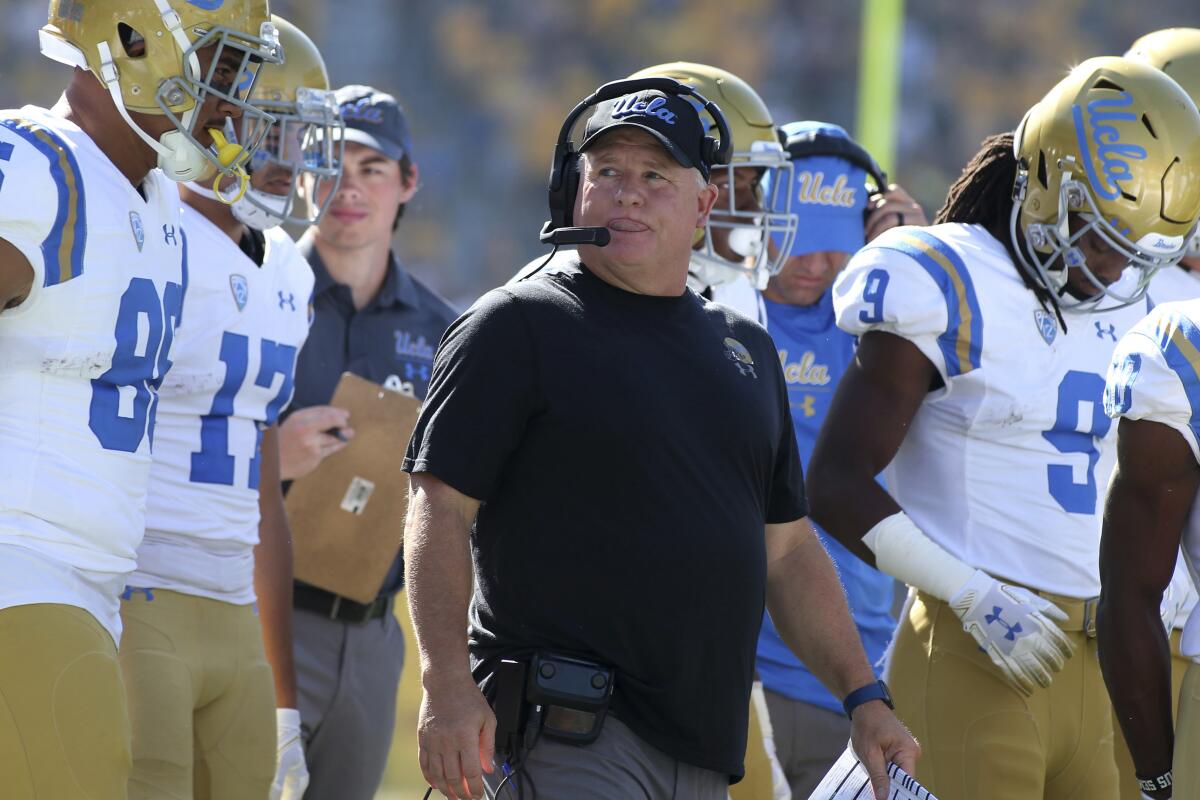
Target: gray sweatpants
808,739
617,766
346,680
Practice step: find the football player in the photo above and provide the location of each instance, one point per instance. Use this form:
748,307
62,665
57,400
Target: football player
1176,51
200,689
1141,679
92,278
835,180
984,401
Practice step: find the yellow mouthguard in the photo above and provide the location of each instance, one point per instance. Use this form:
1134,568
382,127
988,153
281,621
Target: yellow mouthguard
232,158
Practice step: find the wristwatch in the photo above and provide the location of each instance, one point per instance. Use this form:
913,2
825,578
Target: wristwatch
872,691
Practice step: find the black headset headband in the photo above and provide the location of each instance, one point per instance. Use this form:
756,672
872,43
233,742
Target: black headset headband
810,144
564,178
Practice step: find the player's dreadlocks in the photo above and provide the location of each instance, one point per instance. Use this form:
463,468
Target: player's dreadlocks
982,195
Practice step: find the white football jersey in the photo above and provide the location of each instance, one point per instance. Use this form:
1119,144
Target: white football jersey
234,358
1155,375
1000,467
1174,283
81,360
1167,286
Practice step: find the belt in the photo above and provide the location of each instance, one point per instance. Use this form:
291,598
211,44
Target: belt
1081,612
336,607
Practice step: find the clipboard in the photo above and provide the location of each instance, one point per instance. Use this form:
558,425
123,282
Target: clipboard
848,780
347,515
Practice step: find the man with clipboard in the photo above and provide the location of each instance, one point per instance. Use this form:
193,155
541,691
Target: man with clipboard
371,318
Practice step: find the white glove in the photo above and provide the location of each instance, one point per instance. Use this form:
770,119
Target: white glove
1179,595
291,773
1012,626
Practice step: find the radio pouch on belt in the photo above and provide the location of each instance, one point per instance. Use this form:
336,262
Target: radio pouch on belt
573,696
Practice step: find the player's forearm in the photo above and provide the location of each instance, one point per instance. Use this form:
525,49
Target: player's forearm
273,575
273,586
847,501
1135,657
438,576
1135,654
808,607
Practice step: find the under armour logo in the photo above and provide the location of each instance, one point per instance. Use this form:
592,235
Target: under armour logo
169,235
1012,630
807,406
1110,331
289,300
131,590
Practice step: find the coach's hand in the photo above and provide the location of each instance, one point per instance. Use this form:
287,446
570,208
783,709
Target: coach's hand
878,738
456,737
893,208
291,772
305,439
1014,627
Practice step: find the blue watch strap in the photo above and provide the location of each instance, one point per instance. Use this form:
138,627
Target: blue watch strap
872,691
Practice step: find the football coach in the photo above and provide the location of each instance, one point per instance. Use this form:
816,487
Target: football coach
605,490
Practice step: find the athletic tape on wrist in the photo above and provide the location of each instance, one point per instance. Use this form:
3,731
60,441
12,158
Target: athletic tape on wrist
904,552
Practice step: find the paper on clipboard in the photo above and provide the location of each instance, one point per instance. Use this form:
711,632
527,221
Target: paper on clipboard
347,515
848,780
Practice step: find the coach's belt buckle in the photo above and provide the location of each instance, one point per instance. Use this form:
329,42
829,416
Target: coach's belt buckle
1089,616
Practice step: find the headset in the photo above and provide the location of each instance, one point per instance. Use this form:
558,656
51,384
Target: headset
564,169
815,143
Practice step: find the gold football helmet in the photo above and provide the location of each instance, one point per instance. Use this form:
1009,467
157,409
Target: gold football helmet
741,224
1176,51
306,140
145,53
1116,142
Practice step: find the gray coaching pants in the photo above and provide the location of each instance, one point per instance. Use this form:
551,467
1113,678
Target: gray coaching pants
346,680
808,739
617,766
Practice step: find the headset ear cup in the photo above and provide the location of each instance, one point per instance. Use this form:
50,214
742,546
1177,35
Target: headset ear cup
711,148
561,194
570,188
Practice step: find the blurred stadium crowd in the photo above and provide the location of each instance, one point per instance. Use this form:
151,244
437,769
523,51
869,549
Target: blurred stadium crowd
486,86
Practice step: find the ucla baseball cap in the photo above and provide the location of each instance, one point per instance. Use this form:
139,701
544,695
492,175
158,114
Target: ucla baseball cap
374,118
829,195
669,118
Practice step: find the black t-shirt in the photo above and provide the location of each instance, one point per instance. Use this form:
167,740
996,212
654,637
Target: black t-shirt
627,450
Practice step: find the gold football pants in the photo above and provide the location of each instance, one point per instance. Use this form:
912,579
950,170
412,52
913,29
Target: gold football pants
63,728
201,698
980,738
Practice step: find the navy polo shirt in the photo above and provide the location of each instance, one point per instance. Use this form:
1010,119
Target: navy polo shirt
392,337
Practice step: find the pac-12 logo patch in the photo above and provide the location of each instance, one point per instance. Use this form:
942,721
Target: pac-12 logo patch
139,233
1047,325
241,290
736,352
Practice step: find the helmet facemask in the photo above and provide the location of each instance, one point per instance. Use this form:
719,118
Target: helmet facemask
763,234
1051,249
306,141
230,76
